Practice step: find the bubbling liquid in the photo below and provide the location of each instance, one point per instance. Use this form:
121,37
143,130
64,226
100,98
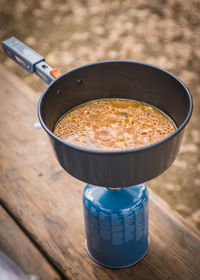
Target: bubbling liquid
114,124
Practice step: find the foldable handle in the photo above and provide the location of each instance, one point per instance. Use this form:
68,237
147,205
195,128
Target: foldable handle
30,60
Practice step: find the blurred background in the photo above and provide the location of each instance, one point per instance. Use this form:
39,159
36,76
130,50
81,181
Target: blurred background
165,33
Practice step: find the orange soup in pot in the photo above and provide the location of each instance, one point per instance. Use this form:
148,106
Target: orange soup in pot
114,124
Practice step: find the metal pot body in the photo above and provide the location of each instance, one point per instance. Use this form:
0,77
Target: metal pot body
116,79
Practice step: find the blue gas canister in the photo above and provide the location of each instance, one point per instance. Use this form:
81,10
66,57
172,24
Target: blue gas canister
116,224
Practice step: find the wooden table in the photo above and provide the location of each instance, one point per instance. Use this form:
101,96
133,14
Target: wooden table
47,204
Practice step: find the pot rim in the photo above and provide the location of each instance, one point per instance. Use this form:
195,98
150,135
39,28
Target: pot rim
105,152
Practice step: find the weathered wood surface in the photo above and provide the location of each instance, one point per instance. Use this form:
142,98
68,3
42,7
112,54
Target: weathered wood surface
15,244
48,202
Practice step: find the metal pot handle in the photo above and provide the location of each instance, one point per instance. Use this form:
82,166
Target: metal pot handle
30,60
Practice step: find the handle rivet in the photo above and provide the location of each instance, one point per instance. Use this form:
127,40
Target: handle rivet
79,82
44,66
28,66
58,92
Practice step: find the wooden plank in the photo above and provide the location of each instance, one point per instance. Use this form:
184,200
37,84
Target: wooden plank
48,202
16,245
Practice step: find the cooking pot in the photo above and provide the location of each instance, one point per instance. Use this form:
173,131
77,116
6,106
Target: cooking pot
108,79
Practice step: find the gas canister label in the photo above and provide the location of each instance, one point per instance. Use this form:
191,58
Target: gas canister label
139,224
117,229
105,226
122,227
129,227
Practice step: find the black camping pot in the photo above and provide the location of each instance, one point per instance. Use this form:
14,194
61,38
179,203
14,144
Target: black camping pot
108,79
